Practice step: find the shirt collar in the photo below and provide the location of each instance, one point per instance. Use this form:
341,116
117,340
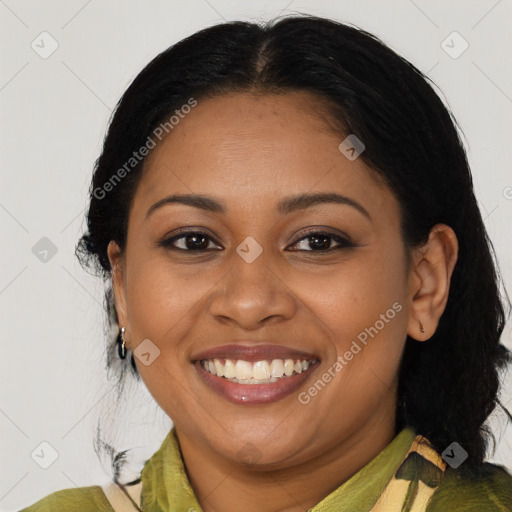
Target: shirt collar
165,485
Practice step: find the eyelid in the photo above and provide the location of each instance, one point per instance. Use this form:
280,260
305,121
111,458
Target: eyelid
342,239
324,230
167,240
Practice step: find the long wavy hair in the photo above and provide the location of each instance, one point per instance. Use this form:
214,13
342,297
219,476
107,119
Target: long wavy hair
448,386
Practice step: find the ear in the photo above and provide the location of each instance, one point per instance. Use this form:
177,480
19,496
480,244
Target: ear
117,263
429,281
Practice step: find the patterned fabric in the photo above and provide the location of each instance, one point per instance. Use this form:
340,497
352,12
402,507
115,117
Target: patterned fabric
415,481
406,476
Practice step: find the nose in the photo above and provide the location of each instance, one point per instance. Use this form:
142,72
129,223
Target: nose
252,294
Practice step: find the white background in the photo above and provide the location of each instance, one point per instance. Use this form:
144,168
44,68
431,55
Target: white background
54,113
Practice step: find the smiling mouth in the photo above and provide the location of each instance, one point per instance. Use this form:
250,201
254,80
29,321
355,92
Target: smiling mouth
266,371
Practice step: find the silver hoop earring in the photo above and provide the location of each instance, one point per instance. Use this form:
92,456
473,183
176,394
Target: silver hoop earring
122,346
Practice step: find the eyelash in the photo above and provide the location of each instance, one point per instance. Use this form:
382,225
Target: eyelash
345,243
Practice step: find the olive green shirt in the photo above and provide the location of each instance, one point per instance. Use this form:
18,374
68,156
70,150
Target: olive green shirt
166,488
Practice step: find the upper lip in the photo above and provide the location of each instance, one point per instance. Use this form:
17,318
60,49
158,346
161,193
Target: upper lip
253,352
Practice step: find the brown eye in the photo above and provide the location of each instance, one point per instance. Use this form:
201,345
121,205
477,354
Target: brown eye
321,242
193,241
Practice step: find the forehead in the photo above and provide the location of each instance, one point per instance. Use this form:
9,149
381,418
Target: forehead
245,147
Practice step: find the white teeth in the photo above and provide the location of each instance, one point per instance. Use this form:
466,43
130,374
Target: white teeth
245,372
219,368
277,368
229,369
260,370
289,367
243,369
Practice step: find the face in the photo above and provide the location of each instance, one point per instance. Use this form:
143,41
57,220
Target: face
324,282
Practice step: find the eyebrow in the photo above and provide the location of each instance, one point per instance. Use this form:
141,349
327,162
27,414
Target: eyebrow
285,206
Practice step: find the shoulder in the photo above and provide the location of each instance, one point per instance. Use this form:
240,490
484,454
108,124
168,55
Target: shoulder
81,499
467,489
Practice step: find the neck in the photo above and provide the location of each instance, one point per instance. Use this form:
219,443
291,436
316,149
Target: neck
223,485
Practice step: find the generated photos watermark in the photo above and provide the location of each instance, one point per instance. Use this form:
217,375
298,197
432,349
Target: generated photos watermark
342,360
159,133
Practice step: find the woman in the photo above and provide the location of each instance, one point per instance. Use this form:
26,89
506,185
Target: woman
301,277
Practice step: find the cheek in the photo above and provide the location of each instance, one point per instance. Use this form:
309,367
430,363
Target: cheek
161,307
161,296
355,299
367,329
365,311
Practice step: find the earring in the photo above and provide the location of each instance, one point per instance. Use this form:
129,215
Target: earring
421,326
122,346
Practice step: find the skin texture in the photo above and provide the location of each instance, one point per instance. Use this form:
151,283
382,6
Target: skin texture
251,151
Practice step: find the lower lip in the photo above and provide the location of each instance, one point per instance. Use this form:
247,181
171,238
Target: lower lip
253,394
